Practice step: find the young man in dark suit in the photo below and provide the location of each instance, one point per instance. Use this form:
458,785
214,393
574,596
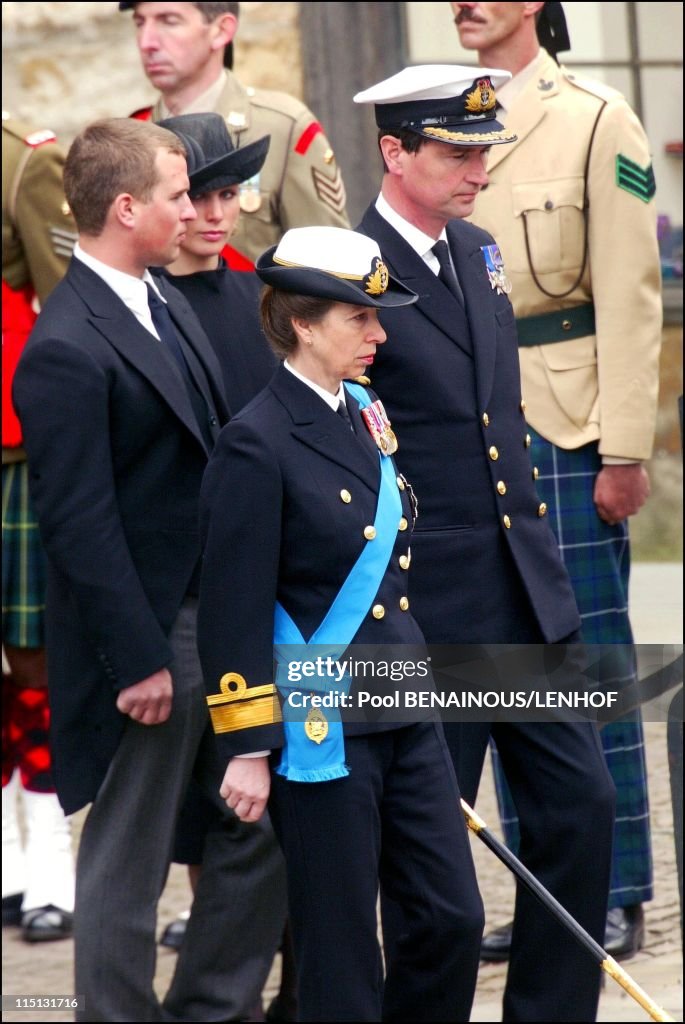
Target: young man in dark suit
120,397
486,567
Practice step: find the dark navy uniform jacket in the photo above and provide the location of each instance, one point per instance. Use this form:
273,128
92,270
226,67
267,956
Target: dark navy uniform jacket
278,525
486,567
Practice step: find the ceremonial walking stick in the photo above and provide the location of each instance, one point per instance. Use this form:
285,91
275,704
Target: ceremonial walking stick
527,879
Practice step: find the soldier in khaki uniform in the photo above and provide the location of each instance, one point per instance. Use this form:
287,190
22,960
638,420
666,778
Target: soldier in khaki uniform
184,48
572,205
37,238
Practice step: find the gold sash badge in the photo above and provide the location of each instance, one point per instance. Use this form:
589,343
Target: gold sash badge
316,726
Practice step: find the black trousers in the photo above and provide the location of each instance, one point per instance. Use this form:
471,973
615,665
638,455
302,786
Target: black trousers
565,798
395,821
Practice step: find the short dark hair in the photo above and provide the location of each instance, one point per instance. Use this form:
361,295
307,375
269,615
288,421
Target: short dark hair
411,141
278,310
210,11
111,156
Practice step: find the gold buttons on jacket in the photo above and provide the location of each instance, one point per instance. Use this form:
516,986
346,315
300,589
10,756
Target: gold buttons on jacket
404,561
369,532
523,405
345,496
536,472
493,453
403,524
528,440
507,522
486,420
501,487
404,603
400,483
542,509
378,611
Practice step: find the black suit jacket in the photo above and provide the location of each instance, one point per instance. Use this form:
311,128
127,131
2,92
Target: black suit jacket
227,305
115,464
278,528
449,379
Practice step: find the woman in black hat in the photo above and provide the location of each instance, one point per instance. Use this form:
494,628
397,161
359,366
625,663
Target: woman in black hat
307,524
219,282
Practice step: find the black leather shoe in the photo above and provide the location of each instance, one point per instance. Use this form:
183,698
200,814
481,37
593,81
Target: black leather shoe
46,924
495,946
174,933
11,909
625,931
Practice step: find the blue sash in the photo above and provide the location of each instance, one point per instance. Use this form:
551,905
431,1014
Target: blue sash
306,756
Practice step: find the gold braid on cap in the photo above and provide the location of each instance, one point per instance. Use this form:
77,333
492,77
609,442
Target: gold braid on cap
484,137
306,266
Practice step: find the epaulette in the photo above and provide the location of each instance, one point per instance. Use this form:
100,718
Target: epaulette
278,102
599,89
144,114
365,381
43,135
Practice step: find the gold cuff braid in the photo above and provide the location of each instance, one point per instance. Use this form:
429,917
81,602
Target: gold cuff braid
239,707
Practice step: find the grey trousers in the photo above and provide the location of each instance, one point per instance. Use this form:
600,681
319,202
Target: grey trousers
239,908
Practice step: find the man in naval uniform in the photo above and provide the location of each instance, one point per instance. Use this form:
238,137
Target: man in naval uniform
575,216
186,52
485,563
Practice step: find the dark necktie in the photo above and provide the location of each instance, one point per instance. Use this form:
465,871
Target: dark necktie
344,414
447,274
168,336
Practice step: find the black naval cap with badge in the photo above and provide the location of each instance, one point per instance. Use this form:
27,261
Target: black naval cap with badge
332,263
443,102
213,160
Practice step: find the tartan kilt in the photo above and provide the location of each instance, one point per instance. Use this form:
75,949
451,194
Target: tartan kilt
24,566
597,557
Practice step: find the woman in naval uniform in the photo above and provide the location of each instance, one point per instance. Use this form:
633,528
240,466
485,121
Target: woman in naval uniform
307,525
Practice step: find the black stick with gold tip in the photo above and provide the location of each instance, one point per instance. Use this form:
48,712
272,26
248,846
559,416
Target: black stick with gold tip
527,879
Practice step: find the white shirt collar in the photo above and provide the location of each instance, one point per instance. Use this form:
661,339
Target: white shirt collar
421,243
332,401
131,290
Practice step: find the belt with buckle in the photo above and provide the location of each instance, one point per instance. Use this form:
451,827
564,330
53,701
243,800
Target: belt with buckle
562,325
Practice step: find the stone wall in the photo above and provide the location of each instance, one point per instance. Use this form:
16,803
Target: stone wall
65,64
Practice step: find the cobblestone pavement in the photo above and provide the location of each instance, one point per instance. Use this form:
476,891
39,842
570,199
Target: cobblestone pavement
47,969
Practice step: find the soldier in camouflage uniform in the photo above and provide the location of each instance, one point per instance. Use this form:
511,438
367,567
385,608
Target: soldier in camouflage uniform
185,49
37,238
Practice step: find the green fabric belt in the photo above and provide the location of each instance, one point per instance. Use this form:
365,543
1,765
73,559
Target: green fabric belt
562,325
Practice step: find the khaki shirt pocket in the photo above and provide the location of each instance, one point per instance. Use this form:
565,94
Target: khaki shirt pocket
551,214
571,369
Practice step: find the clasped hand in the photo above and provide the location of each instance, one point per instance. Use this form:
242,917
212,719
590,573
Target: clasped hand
246,786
